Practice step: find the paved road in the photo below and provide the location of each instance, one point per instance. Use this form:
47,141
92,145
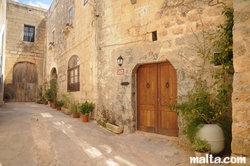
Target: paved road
36,135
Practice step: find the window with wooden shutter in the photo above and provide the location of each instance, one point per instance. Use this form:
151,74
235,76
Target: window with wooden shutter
74,74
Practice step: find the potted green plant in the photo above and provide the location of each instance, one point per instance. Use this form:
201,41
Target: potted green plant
66,98
51,93
53,89
201,147
108,121
205,106
202,112
48,95
85,108
104,117
39,101
59,105
42,100
74,109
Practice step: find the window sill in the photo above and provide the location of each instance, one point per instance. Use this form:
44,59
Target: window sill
29,43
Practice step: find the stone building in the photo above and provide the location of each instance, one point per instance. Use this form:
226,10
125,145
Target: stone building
85,40
158,45
154,39
2,46
25,51
71,49
241,82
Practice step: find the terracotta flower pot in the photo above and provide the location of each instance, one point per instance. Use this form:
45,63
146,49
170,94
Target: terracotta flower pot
52,104
58,108
45,102
85,118
75,115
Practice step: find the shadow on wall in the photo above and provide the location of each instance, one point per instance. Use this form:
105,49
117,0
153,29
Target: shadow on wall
7,92
1,90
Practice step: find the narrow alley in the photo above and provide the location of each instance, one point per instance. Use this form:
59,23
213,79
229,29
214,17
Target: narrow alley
36,135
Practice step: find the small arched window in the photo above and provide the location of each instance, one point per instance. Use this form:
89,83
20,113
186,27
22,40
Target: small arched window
74,74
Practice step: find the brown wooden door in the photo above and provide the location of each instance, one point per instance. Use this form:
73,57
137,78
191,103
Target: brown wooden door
147,98
157,88
25,82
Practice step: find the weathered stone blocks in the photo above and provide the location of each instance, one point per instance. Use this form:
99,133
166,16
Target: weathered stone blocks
240,97
17,50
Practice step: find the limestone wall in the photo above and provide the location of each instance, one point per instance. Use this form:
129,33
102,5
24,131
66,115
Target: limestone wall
18,50
126,29
79,39
241,83
106,29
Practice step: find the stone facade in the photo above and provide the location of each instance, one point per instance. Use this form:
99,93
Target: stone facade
108,29
126,29
241,83
18,50
77,39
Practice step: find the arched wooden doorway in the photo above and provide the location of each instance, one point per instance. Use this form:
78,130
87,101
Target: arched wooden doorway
53,74
53,83
156,90
25,81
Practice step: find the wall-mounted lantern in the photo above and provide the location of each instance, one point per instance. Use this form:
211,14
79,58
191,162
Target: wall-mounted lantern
120,60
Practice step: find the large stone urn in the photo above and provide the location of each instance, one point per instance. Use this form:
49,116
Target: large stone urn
213,133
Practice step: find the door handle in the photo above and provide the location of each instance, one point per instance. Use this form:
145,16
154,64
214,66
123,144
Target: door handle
167,85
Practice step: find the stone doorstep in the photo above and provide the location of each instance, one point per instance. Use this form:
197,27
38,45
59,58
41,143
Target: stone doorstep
159,137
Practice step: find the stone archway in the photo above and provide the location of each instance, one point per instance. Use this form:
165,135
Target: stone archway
156,90
134,99
53,83
25,82
53,73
